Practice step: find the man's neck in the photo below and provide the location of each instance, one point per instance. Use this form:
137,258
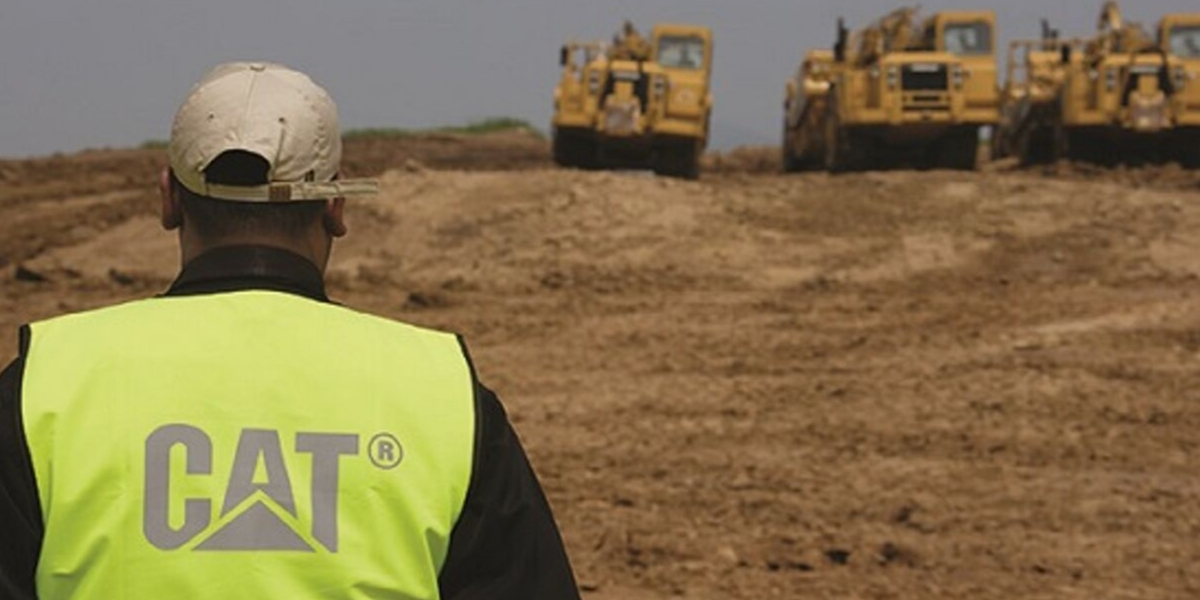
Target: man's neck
310,248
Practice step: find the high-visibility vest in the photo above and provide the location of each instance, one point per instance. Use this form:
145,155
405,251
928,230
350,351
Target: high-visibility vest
248,445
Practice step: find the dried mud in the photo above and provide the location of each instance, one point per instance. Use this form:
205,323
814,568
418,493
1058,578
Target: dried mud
889,385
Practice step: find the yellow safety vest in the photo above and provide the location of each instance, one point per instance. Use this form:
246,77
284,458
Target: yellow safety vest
250,445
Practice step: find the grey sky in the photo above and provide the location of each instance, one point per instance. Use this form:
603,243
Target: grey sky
86,73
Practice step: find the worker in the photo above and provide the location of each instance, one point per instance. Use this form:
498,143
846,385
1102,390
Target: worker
242,436
630,45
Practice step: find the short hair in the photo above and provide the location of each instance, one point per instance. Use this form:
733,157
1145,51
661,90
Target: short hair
214,219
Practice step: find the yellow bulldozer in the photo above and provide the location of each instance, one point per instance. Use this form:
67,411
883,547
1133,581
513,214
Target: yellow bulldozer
636,103
899,92
1123,96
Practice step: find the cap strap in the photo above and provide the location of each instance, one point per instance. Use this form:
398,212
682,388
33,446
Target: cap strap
291,192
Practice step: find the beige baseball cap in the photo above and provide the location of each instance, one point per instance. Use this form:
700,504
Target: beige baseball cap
274,112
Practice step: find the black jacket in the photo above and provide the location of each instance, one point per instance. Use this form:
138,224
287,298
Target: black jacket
504,546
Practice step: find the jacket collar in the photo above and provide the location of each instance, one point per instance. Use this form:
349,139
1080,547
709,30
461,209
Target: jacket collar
241,268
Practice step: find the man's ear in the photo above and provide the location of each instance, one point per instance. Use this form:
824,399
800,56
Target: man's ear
172,211
335,217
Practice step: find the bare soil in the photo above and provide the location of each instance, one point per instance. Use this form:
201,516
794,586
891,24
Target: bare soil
891,385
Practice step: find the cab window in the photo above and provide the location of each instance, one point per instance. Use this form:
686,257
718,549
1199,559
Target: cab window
676,52
968,39
1185,41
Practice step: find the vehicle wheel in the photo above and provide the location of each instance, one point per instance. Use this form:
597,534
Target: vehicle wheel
1187,149
562,156
837,140
791,164
1087,147
1004,139
1060,143
1000,146
1035,146
1043,143
1043,140
960,150
690,169
573,151
680,160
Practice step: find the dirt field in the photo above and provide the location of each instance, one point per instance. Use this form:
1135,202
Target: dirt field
892,385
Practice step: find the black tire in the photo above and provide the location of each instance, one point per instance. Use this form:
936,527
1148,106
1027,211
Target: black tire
791,164
690,164
1086,146
1041,138
1001,147
1036,146
573,151
837,139
558,145
959,151
680,160
1187,149
787,156
561,148
1043,144
1060,142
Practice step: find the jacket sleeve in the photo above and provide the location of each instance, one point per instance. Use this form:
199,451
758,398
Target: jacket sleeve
21,526
505,545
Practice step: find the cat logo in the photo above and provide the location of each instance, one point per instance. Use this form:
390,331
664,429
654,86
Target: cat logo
258,511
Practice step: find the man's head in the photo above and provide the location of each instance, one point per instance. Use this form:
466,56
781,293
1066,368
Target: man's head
255,152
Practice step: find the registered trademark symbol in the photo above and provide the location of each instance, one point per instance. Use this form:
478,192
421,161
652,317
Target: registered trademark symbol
385,451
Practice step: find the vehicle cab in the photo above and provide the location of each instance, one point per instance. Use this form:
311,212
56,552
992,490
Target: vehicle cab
577,95
684,54
1179,37
969,36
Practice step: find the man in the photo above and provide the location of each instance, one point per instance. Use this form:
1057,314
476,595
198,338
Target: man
630,45
244,437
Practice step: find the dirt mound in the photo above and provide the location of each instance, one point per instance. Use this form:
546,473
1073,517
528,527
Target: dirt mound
507,150
64,199
902,385
744,159
1168,176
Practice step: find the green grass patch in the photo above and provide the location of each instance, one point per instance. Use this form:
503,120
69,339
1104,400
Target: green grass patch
153,145
481,127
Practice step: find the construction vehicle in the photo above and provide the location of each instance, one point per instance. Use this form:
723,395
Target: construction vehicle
1030,98
897,92
805,111
636,104
1122,96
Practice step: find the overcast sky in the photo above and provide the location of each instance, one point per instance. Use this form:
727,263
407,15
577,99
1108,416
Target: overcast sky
93,73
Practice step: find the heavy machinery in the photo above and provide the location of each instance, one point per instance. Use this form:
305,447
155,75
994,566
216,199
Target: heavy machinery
1030,98
1121,96
805,110
897,92
636,105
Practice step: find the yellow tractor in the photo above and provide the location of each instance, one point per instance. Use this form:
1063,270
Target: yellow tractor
636,104
1121,96
898,92
1030,98
804,112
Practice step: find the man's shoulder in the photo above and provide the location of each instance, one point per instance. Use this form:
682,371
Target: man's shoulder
76,316
393,325
263,324
154,311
